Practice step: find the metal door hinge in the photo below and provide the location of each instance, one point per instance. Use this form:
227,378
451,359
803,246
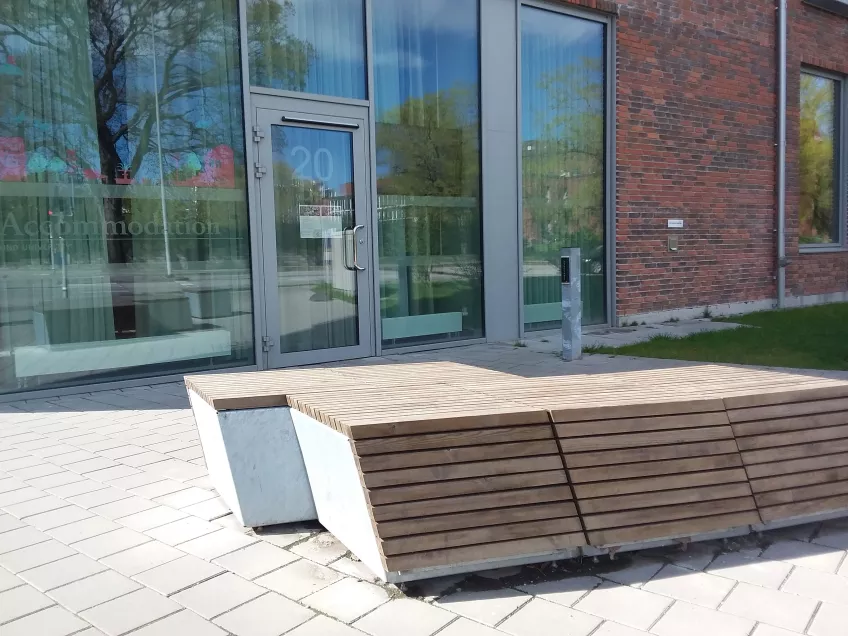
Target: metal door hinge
259,170
267,343
258,134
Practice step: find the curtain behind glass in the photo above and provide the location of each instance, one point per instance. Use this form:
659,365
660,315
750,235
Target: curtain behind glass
311,46
563,160
426,92
122,196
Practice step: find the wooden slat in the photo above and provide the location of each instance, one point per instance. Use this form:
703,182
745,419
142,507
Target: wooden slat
822,462
451,440
471,554
465,487
635,410
641,500
791,439
655,438
658,484
786,396
641,424
655,468
671,529
656,515
476,519
788,410
484,501
804,508
804,493
657,453
429,474
795,479
475,536
789,424
800,451
441,456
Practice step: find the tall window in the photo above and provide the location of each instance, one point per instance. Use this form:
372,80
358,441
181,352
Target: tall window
426,94
820,211
123,219
563,154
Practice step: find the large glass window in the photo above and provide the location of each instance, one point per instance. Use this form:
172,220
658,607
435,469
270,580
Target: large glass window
563,154
426,93
311,46
819,213
124,246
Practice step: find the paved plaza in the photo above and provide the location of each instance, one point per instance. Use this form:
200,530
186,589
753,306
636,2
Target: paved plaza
109,525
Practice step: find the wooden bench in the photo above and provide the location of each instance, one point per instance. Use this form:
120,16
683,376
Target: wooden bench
424,469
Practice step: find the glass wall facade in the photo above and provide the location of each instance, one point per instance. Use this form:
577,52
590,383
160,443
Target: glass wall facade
563,159
124,246
427,112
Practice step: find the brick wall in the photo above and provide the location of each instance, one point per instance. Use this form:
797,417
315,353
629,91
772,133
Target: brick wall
818,39
696,128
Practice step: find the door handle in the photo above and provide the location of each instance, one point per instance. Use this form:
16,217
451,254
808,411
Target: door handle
356,265
348,237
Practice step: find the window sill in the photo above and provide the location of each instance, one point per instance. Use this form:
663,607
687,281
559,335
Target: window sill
839,7
821,249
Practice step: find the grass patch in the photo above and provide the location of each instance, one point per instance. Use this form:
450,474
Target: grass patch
807,338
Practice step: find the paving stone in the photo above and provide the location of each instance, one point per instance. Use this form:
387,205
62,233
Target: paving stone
182,623
176,468
770,606
53,621
129,612
158,488
99,497
767,630
19,495
218,595
21,538
91,465
119,452
85,529
356,569
34,555
182,530
209,509
178,574
830,620
542,618
614,629
61,572
698,588
465,627
281,536
72,456
151,518
57,479
268,615
323,626
692,620
8,580
215,544
625,605
134,481
807,555
229,521
35,506
77,488
833,537
188,454
186,497
114,473
489,607
33,472
94,590
123,507
141,558
323,548
299,579
404,616
9,484
347,600
58,517
105,544
255,560
563,592
8,522
755,571
817,585
21,601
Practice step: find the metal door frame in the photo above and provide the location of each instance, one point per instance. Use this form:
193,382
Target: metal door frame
267,110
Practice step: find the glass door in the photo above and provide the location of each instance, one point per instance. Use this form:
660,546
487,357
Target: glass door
316,231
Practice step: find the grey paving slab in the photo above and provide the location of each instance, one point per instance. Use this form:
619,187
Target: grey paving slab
60,478
465,627
811,556
209,509
347,599
770,606
77,488
142,558
34,555
57,573
694,620
105,544
625,605
159,488
9,580
564,592
20,601
818,585
99,497
542,618
129,612
59,517
53,621
85,529
8,522
93,590
830,620
19,495
218,595
698,588
35,506
179,574
123,507
216,544
182,623
757,571
255,560
323,626
322,548
150,518
268,615
299,579
183,530
489,607
186,497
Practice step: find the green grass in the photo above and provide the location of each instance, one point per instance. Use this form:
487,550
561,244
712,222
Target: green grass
807,338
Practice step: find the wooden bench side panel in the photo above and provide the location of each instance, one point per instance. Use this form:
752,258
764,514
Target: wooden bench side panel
657,476
440,499
794,446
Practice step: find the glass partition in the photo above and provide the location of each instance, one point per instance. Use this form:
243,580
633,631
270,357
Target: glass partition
563,154
124,248
310,46
426,95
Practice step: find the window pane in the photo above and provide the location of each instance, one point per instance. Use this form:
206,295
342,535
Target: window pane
124,247
426,84
818,163
563,154
311,46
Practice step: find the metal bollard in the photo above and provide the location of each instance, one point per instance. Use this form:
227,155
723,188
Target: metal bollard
572,305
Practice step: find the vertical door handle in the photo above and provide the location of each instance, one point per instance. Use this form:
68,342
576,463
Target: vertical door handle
349,237
356,265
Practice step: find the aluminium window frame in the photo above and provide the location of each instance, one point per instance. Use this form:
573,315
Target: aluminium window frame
841,176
